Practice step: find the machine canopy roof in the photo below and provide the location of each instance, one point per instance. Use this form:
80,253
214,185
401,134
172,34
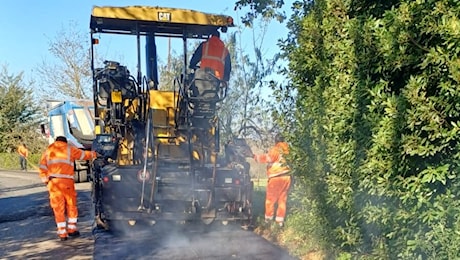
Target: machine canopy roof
160,20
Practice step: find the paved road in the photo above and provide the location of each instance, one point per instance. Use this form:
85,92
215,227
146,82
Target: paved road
27,231
27,227
186,243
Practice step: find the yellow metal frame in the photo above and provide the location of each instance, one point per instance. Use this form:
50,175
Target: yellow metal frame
116,97
161,15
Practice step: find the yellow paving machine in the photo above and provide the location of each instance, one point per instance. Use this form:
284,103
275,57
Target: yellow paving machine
160,149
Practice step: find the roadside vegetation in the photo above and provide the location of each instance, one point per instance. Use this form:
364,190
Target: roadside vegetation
20,119
370,108
374,127
372,115
10,161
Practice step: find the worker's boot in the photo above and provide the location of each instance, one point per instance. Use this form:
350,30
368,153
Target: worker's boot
72,228
74,234
62,233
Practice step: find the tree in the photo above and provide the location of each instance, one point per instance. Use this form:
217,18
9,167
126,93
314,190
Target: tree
69,74
268,9
245,112
170,71
376,125
19,115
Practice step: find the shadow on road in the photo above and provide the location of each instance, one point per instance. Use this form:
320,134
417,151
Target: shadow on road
22,207
185,242
28,230
19,188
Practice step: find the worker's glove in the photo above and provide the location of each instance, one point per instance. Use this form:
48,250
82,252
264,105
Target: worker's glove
45,180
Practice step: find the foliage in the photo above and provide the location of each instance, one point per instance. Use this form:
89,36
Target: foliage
268,9
376,121
19,115
170,70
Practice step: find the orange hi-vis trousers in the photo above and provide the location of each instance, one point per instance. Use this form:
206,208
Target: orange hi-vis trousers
63,199
277,193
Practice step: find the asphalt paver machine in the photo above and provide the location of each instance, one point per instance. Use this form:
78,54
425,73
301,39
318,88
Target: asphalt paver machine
160,148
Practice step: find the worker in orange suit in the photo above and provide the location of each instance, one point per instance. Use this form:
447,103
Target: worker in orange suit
214,55
279,180
56,170
23,154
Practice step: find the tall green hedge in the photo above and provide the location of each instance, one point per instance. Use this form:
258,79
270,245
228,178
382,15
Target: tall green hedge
377,118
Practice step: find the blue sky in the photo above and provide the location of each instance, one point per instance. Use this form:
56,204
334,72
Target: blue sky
27,26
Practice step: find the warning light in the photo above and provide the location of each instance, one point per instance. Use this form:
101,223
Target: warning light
105,179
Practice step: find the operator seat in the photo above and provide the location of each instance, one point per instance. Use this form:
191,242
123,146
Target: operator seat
204,94
205,85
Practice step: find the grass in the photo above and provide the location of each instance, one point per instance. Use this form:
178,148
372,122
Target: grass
258,198
10,161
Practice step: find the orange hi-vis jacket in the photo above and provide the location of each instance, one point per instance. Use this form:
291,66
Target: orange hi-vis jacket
275,157
58,161
22,150
213,56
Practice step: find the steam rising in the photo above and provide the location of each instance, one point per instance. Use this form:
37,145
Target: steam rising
192,240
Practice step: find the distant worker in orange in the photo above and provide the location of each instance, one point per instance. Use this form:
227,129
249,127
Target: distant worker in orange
214,55
23,154
56,170
279,180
